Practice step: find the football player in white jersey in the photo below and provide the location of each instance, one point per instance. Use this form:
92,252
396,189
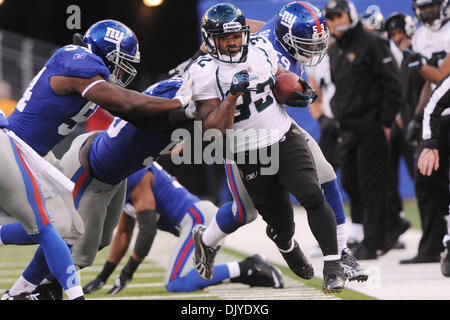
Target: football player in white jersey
293,57
232,87
430,48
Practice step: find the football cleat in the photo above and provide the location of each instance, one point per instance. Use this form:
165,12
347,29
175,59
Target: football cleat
298,262
262,274
94,285
49,291
445,260
203,255
352,269
21,296
333,277
119,285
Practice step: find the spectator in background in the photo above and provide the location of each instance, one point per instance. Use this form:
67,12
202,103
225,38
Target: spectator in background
374,22
365,102
400,29
429,56
320,80
7,104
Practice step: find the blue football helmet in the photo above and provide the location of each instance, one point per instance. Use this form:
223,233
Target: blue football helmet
430,15
373,21
221,19
302,31
117,45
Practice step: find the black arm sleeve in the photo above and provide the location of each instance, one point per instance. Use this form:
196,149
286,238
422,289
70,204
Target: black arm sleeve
147,231
159,122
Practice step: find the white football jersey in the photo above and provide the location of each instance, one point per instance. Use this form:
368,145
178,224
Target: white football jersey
430,43
259,120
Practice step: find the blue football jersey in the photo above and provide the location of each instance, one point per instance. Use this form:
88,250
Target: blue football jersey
123,149
172,199
43,118
285,58
292,65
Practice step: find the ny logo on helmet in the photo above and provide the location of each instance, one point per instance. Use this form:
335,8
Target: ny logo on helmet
288,19
114,35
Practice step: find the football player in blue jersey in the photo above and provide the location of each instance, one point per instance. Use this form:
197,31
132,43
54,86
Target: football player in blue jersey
95,162
98,163
66,91
157,201
299,35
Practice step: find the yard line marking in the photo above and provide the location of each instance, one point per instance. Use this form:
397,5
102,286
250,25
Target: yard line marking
139,285
173,296
99,268
136,275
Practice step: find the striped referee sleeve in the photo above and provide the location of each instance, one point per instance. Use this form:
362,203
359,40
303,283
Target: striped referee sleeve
439,101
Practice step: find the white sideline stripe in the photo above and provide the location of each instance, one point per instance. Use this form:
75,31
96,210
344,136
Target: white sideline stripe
272,295
139,285
131,285
167,297
19,270
292,291
100,268
13,264
136,275
11,272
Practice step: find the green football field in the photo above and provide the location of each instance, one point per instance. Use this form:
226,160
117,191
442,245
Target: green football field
148,282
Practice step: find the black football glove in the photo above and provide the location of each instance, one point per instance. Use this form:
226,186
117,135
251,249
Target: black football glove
240,82
415,60
302,99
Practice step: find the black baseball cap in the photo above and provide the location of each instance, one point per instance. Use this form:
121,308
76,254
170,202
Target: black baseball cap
336,6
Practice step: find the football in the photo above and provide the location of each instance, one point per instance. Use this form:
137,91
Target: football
285,83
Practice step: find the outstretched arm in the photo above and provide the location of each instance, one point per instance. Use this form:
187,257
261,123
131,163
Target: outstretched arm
115,98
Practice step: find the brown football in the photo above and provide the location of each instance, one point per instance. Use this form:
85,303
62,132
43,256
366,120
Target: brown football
285,83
